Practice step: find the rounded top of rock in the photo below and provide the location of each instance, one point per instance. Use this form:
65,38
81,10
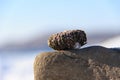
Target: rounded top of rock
70,39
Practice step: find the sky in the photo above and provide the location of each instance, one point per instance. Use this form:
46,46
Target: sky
25,18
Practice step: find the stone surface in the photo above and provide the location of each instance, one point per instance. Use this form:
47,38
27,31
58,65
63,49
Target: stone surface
91,63
67,40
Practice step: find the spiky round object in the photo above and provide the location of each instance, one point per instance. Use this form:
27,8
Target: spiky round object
71,39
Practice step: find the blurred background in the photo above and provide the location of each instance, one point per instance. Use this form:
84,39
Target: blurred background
25,26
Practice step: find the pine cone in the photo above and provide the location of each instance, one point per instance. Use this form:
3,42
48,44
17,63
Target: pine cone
71,39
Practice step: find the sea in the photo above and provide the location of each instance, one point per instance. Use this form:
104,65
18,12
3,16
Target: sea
18,65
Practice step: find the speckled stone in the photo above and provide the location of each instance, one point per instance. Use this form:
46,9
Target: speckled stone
71,39
91,63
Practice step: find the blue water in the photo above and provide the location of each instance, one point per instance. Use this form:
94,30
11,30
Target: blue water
17,65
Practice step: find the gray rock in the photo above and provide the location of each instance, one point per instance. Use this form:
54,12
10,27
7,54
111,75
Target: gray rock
91,63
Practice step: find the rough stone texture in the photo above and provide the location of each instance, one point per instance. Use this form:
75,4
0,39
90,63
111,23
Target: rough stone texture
91,63
66,40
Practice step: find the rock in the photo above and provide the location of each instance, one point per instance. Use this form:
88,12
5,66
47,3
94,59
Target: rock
91,63
66,40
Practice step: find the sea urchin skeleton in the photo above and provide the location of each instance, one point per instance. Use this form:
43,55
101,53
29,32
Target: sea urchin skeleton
71,39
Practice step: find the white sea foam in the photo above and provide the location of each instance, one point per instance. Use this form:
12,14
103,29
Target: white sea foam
111,43
17,66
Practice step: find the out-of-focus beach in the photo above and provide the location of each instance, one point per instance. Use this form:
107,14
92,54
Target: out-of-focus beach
18,65
25,26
